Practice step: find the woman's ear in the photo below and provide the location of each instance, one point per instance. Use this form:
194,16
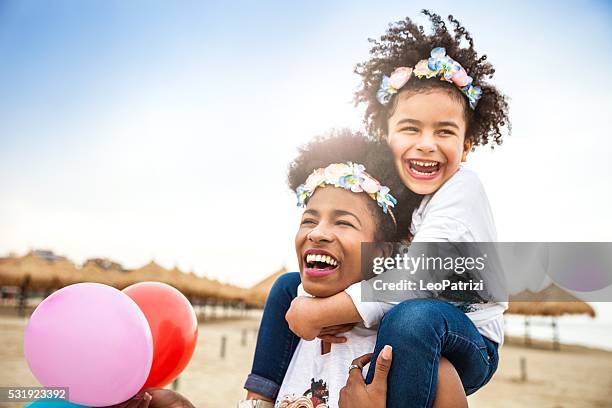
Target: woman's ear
467,147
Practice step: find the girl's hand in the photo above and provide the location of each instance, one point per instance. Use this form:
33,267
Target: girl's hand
301,318
330,334
357,394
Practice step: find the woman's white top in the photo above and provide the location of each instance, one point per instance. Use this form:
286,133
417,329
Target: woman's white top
314,379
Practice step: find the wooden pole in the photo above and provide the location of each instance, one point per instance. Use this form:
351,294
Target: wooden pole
223,345
244,337
523,369
555,328
23,296
527,337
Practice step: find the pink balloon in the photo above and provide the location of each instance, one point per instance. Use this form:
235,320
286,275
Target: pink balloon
93,339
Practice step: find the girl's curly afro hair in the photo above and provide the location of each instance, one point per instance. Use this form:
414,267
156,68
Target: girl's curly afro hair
404,45
342,146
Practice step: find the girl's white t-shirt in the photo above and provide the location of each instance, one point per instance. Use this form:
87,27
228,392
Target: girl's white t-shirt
459,211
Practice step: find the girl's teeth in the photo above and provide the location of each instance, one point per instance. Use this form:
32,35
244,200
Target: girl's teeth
423,174
425,164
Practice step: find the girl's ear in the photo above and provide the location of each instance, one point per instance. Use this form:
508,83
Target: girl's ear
467,147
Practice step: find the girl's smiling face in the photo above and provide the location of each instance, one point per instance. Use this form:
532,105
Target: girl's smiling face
328,242
427,138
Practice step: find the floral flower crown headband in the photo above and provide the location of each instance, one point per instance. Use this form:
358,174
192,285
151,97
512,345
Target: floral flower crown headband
349,176
439,64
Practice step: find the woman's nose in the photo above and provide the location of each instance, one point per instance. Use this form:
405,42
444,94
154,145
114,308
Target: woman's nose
319,234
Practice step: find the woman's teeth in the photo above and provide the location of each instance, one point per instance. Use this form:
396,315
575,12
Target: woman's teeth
312,258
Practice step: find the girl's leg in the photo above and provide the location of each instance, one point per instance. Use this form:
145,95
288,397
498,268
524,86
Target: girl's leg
421,331
275,342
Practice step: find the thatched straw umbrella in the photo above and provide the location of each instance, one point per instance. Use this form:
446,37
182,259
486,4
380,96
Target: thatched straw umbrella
200,287
149,272
104,264
185,282
259,292
93,271
36,272
11,272
551,301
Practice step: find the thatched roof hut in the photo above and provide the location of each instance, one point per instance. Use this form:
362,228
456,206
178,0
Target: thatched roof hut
200,286
259,292
551,301
10,274
37,272
43,270
105,264
94,272
149,272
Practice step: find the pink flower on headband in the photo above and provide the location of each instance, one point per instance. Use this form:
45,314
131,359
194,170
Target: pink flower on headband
421,69
461,78
369,184
399,77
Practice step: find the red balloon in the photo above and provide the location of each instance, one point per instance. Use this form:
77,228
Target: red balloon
174,327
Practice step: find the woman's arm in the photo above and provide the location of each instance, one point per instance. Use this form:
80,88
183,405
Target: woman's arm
356,393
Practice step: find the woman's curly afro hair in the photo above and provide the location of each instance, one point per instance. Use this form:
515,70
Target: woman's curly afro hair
341,146
404,45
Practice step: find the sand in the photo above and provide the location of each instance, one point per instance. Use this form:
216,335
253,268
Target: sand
573,377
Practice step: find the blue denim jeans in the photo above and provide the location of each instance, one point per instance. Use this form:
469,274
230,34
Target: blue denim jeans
275,342
420,332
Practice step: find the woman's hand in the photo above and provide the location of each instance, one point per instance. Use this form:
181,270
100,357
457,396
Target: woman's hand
163,398
357,394
156,398
140,400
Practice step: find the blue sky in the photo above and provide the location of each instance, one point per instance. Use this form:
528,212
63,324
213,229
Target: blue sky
133,129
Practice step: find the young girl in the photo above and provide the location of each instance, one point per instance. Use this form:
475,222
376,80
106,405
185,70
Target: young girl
428,98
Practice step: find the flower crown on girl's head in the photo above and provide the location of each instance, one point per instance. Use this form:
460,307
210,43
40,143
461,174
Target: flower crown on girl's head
439,64
349,176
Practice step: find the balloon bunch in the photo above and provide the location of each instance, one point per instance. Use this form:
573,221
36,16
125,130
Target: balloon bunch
105,345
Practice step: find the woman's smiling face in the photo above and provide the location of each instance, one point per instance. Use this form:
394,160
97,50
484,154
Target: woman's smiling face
328,242
427,138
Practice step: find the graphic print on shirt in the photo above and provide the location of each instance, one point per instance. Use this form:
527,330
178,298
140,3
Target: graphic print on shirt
314,397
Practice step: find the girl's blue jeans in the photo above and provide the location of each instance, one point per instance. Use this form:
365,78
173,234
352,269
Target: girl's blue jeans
420,332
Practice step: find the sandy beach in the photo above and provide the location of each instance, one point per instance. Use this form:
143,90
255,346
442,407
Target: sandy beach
572,377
